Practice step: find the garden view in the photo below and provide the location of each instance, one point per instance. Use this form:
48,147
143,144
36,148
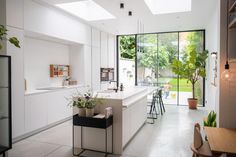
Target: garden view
153,55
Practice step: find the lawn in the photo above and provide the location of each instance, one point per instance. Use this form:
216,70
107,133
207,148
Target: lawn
183,85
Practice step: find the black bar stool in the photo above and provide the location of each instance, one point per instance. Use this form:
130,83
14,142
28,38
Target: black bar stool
152,114
160,101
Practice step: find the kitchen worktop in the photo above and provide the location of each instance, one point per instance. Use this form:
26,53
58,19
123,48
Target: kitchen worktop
128,92
51,89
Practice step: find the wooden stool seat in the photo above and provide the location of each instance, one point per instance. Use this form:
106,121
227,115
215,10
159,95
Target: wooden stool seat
203,151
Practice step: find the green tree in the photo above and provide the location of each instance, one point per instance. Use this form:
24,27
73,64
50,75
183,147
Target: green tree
127,47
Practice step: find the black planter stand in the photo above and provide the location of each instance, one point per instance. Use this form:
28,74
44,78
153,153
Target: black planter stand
94,123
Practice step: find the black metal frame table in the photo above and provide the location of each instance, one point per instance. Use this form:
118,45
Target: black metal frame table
94,123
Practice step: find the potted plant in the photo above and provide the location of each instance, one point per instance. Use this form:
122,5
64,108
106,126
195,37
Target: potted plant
90,103
12,40
210,121
191,67
85,103
79,102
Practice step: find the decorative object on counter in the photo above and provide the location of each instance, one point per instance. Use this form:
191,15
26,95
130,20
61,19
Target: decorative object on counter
72,82
121,87
192,67
59,70
12,40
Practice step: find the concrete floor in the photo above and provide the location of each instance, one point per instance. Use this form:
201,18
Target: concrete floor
170,136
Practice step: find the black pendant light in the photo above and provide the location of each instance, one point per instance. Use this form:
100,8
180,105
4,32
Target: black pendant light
227,75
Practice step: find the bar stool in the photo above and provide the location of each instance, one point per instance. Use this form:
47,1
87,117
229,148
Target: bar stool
160,101
153,108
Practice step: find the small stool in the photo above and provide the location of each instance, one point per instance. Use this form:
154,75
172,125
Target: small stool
153,108
160,101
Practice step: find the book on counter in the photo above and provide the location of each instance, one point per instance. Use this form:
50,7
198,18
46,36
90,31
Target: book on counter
100,116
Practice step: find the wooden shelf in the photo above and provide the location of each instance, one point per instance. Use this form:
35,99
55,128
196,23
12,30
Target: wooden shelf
231,9
59,70
232,24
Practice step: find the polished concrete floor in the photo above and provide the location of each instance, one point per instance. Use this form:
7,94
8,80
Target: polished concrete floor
170,136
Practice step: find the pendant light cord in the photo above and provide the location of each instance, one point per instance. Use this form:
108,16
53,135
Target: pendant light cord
227,37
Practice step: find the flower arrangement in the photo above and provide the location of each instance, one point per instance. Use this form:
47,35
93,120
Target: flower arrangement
85,103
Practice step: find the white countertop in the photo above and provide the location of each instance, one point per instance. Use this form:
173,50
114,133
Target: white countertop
128,92
37,91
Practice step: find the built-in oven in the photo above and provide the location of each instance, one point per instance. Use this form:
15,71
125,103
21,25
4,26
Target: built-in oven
107,74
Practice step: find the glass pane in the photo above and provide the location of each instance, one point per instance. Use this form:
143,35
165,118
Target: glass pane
147,60
167,52
127,60
187,41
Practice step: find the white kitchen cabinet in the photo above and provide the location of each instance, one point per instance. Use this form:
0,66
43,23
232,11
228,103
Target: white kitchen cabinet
58,107
104,50
87,66
36,113
15,13
111,51
133,118
126,122
44,109
96,37
96,68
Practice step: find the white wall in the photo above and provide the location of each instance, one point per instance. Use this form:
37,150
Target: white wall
38,56
212,45
52,22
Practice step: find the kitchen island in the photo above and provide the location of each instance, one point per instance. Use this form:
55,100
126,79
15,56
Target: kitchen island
129,115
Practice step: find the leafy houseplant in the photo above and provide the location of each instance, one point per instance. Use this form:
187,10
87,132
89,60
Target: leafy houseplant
12,40
191,67
211,120
85,103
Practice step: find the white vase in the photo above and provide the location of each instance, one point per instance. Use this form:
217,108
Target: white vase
89,112
81,112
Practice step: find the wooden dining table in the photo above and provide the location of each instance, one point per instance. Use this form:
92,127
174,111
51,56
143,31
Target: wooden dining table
221,140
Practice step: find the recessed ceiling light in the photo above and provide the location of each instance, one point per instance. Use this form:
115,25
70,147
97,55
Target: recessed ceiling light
166,7
130,13
87,10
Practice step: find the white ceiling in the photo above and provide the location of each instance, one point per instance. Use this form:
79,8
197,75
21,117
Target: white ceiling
124,24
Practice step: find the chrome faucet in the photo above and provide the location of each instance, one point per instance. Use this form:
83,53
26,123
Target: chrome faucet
65,81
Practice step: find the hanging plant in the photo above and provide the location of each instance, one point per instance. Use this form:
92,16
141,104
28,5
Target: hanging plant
12,40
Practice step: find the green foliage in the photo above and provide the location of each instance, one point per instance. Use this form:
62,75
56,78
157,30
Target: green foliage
86,100
192,66
127,47
12,40
211,120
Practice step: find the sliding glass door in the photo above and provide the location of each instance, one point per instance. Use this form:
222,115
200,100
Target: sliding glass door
149,63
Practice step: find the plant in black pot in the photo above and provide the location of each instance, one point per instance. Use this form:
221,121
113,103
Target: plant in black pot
12,40
191,67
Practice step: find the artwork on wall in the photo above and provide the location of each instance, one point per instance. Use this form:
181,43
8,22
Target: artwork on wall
214,56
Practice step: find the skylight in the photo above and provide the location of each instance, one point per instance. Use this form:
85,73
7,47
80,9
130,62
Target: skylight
87,10
169,6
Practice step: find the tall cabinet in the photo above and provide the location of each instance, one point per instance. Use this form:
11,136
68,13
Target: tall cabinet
5,104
